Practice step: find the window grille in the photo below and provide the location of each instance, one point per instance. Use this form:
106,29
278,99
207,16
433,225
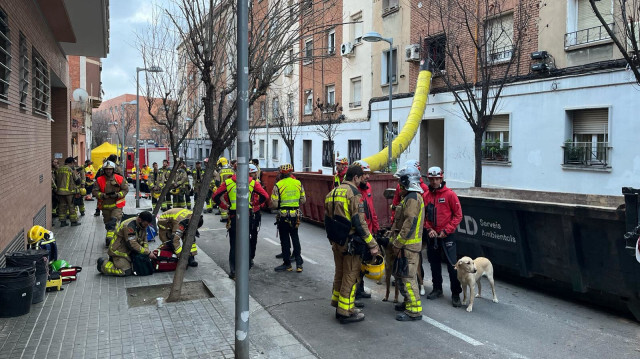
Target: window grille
5,56
24,71
40,90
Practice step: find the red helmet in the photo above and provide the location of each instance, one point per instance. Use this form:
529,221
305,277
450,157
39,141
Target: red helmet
342,161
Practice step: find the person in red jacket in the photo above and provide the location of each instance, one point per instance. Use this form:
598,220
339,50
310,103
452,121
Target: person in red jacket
369,215
341,169
396,201
443,214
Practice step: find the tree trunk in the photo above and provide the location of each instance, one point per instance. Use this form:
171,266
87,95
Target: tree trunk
477,145
187,242
290,148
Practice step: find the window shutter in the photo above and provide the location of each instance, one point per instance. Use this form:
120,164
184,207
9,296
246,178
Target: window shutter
499,123
587,18
591,122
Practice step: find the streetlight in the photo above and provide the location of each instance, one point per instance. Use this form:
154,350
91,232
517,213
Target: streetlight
373,36
136,163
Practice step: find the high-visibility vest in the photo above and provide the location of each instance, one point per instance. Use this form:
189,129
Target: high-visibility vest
289,191
226,173
102,183
231,192
417,238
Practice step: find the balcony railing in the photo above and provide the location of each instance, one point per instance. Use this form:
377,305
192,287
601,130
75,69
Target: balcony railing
355,104
500,54
586,154
586,36
495,151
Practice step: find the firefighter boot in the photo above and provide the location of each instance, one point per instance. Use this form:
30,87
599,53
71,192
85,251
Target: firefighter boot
192,262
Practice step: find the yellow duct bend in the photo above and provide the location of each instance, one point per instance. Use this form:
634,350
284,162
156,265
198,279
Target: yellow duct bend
410,128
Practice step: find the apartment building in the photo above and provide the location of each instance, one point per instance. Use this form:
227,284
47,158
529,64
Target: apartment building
35,101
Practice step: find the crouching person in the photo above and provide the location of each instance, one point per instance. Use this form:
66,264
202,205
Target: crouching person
130,240
172,227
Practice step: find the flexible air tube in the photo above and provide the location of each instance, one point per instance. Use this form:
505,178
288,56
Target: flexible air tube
410,128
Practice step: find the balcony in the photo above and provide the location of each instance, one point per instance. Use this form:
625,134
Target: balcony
586,154
586,36
495,152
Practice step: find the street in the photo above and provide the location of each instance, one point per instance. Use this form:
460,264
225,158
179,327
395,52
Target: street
524,324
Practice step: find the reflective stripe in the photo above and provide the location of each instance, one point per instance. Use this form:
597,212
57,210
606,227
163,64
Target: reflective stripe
413,306
335,295
289,192
415,232
231,191
341,199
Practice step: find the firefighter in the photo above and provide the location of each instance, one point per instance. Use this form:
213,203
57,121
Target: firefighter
90,176
111,190
186,188
370,216
178,186
198,176
225,172
287,196
443,215
225,197
144,180
406,240
341,170
172,227
212,188
81,191
165,171
256,162
350,238
255,216
66,183
155,183
131,239
54,188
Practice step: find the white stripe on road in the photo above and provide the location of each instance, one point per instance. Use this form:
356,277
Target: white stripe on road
277,244
451,331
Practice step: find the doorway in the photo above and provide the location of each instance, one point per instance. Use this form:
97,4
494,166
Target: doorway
432,143
306,155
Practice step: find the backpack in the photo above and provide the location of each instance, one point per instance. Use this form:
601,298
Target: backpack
166,261
141,265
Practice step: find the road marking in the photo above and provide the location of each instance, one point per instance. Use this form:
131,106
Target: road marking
211,229
277,244
451,331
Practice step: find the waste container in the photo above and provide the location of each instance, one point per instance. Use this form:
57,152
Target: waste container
16,290
27,258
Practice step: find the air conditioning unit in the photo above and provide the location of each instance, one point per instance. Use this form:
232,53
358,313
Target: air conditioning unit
346,49
412,52
288,70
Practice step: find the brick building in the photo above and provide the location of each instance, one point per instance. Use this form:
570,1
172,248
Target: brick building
35,91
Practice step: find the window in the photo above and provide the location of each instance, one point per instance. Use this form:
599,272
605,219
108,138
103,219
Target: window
5,56
499,38
356,92
583,24
354,150
308,105
383,133
263,110
327,153
330,98
261,149
275,107
495,146
40,84
331,42
24,71
435,47
308,51
274,150
389,5
384,67
589,142
290,105
356,28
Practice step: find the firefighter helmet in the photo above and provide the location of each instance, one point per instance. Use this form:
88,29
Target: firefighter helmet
342,161
286,168
175,191
82,191
365,166
222,162
108,165
156,195
413,163
38,233
252,168
374,269
435,172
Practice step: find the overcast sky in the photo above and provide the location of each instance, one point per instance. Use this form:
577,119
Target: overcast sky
119,68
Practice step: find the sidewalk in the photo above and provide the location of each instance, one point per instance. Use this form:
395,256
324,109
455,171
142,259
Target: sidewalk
90,318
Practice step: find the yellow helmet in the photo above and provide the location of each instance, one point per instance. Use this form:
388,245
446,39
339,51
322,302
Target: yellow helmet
175,191
375,268
83,191
156,195
342,161
222,161
286,168
38,233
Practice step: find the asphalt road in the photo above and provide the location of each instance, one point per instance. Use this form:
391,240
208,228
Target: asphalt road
524,324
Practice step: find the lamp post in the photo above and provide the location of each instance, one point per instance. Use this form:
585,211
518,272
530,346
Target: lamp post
373,36
136,163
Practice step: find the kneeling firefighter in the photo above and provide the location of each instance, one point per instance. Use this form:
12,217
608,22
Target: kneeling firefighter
172,227
130,240
406,240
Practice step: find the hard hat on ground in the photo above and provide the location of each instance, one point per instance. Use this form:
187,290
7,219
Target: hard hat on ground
286,168
435,172
375,268
60,263
364,165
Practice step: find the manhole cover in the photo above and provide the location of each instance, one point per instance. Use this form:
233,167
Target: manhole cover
141,296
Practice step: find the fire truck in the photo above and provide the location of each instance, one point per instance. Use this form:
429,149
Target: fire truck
147,155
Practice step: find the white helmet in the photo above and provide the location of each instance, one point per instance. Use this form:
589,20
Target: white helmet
413,163
411,182
252,168
364,165
108,165
407,171
435,172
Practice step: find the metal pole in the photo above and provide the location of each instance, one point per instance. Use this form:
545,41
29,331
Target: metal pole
390,125
266,155
122,153
242,205
136,163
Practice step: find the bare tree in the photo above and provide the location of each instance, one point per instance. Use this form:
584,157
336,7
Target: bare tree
327,118
208,32
287,125
99,129
123,116
623,26
158,134
484,43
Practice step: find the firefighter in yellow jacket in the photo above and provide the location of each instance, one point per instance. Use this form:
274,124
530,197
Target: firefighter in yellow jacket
111,189
131,239
66,183
172,228
226,172
406,240
178,187
81,190
344,212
